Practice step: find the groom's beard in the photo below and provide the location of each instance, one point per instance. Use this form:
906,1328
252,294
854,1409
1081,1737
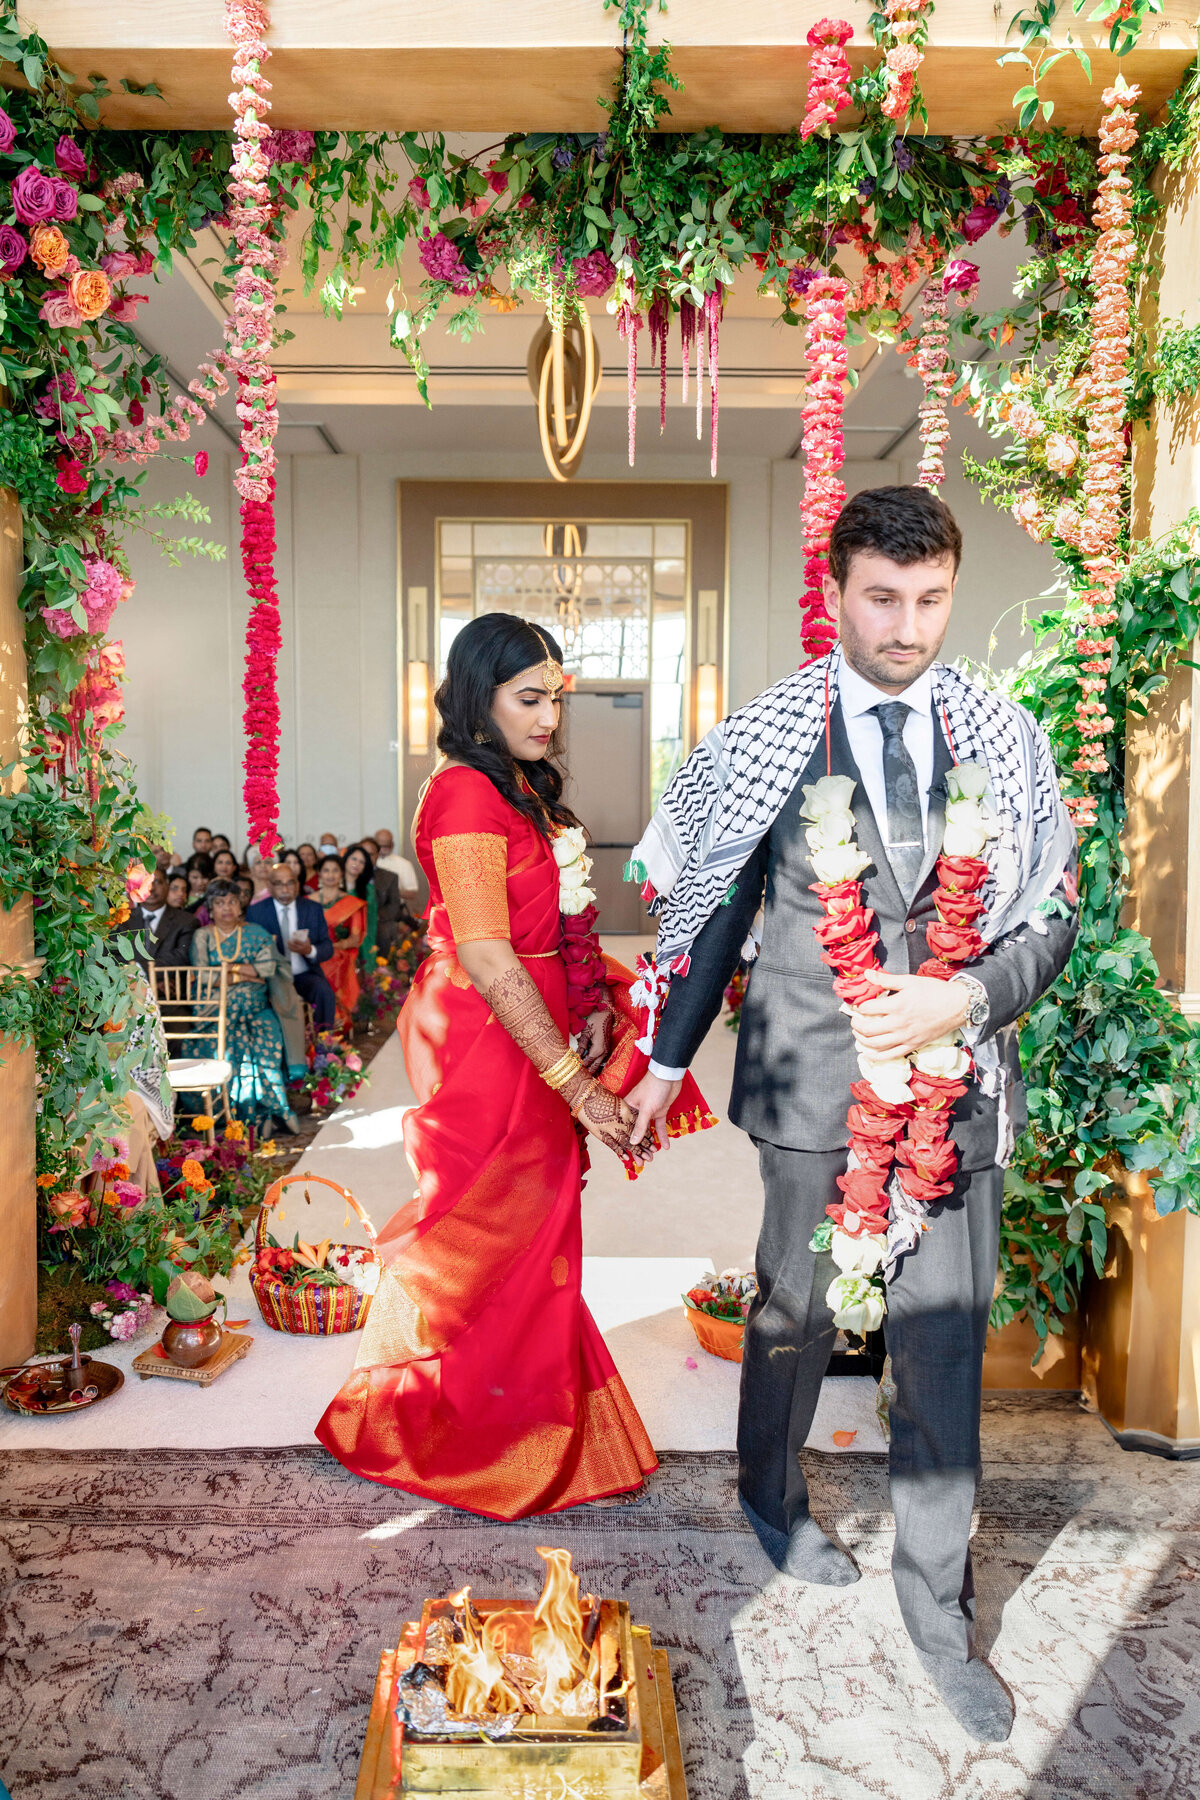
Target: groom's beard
874,665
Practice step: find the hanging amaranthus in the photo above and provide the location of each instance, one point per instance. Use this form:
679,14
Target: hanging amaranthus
824,450
629,323
828,75
712,320
249,335
933,364
903,59
1102,392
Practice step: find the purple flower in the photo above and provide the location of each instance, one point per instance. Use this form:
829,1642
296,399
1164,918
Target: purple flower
13,248
866,187
564,156
66,202
441,261
121,1290
33,195
602,146
69,159
8,131
902,155
800,280
594,274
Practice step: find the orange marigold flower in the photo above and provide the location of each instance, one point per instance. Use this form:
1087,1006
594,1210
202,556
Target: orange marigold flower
235,1131
49,249
45,1181
91,292
202,1122
193,1173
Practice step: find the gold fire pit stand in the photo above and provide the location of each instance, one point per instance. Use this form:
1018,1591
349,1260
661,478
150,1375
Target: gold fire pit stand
545,1758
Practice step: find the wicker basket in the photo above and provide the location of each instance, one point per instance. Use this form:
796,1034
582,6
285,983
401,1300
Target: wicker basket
308,1311
720,1337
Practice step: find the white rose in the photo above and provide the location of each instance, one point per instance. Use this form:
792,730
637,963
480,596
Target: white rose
949,1061
967,781
856,1304
887,1076
572,875
570,843
832,794
830,831
857,1255
845,862
966,839
577,901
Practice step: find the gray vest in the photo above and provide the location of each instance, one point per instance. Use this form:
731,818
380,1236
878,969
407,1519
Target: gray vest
795,1052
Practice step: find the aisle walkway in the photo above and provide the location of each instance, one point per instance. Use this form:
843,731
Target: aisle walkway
644,1243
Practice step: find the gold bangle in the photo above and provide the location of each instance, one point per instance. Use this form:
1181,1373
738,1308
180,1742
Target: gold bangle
563,1071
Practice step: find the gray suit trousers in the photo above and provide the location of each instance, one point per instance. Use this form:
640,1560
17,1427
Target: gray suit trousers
936,1324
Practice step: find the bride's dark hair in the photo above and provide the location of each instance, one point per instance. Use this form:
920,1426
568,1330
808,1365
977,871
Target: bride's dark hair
486,653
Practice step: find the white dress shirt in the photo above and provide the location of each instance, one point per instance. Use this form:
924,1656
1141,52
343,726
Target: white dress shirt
856,697
402,869
152,920
286,914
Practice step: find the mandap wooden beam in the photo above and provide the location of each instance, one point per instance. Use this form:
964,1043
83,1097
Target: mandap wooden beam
18,1193
484,65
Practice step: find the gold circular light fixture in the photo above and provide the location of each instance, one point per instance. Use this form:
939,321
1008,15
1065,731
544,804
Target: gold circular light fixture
564,373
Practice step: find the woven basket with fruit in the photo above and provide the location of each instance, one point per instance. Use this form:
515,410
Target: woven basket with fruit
313,1289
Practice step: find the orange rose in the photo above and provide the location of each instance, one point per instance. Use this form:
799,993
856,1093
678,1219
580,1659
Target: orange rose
91,292
49,249
71,1207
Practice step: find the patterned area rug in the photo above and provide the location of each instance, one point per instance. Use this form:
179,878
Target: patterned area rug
182,1626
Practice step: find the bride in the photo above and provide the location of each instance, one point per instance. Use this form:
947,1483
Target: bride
482,1380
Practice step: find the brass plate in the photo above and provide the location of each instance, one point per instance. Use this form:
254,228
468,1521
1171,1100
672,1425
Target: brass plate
21,1387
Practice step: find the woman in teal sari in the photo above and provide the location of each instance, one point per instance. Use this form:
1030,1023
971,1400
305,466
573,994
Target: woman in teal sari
253,1038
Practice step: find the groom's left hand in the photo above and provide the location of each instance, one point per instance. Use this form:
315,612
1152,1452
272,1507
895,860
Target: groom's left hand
917,1011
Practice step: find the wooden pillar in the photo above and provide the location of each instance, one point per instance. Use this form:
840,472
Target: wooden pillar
18,1193
1141,1347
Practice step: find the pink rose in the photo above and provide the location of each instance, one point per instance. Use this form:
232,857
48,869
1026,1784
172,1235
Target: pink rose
118,264
8,131
418,193
66,202
69,158
33,196
960,276
59,622
1062,453
13,248
124,309
71,476
200,463
979,221
59,311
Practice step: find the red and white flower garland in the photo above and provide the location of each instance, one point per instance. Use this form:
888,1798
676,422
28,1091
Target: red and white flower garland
828,75
1102,390
824,450
901,1158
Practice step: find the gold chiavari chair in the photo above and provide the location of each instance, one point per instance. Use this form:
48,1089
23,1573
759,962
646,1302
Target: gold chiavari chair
191,1004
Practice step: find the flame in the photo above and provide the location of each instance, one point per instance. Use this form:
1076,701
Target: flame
559,1675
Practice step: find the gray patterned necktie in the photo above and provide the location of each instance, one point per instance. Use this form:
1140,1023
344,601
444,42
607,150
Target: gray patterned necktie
905,829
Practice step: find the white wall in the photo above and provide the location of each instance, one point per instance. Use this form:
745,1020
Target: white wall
183,629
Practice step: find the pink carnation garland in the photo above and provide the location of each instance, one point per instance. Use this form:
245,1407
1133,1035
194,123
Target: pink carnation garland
828,75
903,58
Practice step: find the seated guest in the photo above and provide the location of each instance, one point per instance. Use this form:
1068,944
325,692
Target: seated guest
219,842
399,866
328,843
199,872
164,858
225,865
292,859
346,917
161,933
259,871
245,888
202,841
253,1038
391,909
308,857
298,927
177,890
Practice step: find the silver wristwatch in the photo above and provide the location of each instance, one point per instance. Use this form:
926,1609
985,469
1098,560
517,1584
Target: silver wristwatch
978,1005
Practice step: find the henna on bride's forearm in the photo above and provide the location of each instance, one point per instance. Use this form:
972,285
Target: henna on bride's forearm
516,1001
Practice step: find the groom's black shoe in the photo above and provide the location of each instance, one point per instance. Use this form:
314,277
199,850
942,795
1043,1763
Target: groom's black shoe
805,1553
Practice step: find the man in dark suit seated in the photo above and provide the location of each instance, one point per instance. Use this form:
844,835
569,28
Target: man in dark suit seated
160,933
299,928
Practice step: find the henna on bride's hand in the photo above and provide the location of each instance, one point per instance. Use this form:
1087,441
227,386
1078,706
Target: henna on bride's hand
517,1002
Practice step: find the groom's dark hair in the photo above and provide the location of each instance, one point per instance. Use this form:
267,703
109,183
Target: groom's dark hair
905,524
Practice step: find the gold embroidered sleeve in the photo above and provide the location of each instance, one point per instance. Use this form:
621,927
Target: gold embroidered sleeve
472,871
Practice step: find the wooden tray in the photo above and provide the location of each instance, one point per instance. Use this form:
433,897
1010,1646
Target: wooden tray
233,1346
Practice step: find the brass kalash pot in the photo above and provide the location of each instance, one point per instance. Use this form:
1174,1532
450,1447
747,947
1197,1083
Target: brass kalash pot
192,1334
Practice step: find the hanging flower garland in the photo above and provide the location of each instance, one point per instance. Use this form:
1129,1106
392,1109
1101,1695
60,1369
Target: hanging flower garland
828,75
904,58
249,334
699,326
1102,391
901,1157
824,449
933,364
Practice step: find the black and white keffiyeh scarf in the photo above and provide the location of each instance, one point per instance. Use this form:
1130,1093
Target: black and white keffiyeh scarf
734,785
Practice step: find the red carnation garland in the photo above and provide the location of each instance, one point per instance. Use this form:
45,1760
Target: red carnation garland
260,684
828,75
824,450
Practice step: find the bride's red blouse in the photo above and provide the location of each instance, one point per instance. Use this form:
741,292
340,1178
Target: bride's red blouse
482,1380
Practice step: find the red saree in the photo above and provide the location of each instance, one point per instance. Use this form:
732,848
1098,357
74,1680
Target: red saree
482,1380
341,969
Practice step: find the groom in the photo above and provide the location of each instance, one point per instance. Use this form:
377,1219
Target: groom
729,840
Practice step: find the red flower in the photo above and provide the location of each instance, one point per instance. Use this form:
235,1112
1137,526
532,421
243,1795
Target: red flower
963,872
71,476
854,989
956,909
870,1102
842,927
868,1222
917,1188
932,1161
853,959
850,891
870,1127
936,971
935,1090
874,1154
864,1189
954,943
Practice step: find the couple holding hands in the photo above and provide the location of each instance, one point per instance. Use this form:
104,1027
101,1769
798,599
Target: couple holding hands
869,822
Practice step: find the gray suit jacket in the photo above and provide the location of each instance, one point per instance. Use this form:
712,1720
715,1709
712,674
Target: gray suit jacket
795,1055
